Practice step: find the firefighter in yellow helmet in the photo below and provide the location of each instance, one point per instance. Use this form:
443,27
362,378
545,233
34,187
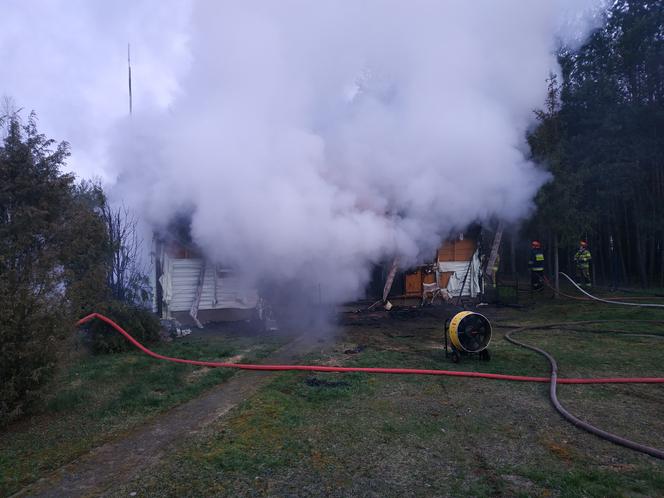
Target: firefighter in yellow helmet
536,265
582,260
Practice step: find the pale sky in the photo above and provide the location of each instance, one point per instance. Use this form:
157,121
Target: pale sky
67,60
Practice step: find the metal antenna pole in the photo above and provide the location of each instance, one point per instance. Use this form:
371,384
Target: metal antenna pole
129,68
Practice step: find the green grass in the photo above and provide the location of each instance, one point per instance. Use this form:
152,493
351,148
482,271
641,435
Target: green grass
578,483
97,398
396,435
380,435
548,309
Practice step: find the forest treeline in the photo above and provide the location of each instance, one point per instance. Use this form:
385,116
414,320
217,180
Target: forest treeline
601,135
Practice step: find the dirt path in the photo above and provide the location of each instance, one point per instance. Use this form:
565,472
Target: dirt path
115,463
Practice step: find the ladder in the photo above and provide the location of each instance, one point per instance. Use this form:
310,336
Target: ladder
390,279
493,255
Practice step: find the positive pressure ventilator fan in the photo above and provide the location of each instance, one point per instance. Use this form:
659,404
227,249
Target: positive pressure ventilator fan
467,333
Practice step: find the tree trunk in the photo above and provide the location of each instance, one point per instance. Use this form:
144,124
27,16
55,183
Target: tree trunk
661,265
641,258
627,253
604,263
621,258
651,257
512,254
556,267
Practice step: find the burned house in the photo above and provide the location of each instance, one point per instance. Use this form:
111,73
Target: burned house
190,289
454,271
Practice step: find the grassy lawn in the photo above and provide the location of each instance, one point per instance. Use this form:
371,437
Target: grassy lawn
392,435
95,399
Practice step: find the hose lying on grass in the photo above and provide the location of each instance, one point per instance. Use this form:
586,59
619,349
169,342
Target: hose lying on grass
561,409
553,379
608,301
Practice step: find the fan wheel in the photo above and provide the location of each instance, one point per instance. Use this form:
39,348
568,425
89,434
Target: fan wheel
470,332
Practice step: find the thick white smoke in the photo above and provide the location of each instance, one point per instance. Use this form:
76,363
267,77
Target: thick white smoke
67,60
313,138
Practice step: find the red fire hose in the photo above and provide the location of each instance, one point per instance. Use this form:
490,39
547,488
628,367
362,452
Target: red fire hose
553,379
408,371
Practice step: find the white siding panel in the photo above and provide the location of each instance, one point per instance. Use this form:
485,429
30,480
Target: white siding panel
184,280
231,292
460,269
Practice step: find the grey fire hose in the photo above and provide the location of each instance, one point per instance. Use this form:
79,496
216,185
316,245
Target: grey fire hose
622,303
657,453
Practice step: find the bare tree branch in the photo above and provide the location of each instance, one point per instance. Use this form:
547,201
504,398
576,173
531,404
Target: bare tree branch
125,278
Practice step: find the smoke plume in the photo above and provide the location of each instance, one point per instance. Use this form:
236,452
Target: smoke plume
309,140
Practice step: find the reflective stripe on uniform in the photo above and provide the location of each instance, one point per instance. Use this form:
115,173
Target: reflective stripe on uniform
583,258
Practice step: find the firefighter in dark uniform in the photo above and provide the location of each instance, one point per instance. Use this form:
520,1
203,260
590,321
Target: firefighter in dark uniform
536,265
582,259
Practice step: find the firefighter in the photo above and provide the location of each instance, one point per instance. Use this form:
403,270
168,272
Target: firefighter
536,265
582,259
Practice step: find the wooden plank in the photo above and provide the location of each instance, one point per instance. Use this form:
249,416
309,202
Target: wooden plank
429,278
446,251
464,249
414,283
444,278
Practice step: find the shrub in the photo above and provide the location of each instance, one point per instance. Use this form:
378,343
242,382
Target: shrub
34,201
139,322
28,336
